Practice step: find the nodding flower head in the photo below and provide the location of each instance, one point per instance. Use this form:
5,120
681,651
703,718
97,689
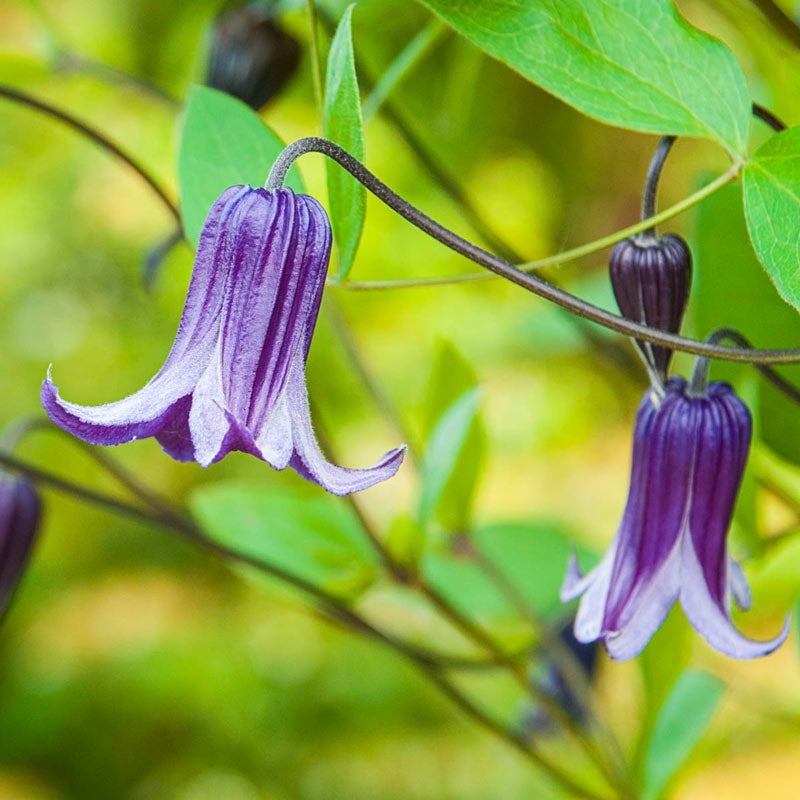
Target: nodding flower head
651,279
235,378
251,57
20,509
689,455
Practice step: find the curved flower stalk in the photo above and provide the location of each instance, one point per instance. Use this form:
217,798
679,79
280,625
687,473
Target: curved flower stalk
689,455
20,509
235,378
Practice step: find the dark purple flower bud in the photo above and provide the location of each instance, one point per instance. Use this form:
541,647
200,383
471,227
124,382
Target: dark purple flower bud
235,378
555,683
251,57
20,509
689,455
651,279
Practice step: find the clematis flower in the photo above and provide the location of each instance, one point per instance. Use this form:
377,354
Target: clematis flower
689,454
20,509
235,378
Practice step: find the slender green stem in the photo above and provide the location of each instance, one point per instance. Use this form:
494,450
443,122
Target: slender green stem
559,258
91,133
68,61
316,63
410,56
112,504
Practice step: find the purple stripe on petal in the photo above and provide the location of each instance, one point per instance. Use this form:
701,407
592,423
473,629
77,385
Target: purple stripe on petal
235,376
688,459
654,603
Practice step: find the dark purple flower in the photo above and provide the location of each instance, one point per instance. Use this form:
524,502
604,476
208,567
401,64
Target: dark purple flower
651,278
235,378
689,454
20,509
251,57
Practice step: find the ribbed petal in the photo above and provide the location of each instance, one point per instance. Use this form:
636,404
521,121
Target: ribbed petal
147,411
291,325
709,620
658,504
722,447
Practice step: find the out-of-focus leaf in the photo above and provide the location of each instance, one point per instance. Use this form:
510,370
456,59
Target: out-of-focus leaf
681,723
343,125
451,376
222,142
405,541
624,62
662,662
771,185
533,557
455,444
315,538
451,464
728,284
467,587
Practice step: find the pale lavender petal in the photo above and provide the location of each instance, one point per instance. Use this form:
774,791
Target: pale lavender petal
138,416
591,610
575,582
309,460
653,604
709,620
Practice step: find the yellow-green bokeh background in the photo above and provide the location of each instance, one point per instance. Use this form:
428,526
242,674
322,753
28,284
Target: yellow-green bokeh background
134,667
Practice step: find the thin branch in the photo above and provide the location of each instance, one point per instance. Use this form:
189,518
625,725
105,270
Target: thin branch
97,137
429,664
533,283
779,20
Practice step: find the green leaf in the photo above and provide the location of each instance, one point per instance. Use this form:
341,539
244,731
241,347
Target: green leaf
451,464
530,558
405,541
315,538
342,124
533,557
223,142
624,62
728,284
662,662
771,185
451,376
680,724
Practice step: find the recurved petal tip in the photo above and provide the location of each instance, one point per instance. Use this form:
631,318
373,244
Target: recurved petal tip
711,621
310,462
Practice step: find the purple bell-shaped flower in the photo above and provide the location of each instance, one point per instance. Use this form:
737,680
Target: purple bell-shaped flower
689,455
235,378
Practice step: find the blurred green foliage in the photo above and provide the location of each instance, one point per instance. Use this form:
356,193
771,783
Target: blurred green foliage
135,667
